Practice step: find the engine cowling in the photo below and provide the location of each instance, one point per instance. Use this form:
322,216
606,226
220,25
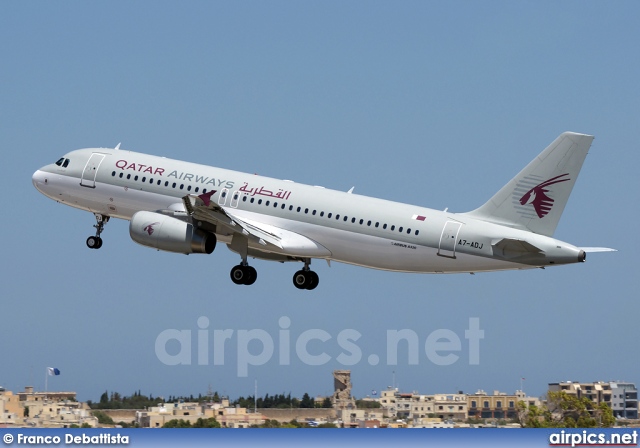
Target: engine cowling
169,234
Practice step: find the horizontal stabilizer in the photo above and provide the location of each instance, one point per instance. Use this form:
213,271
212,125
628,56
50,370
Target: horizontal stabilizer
598,249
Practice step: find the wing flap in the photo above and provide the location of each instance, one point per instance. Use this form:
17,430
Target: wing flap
272,238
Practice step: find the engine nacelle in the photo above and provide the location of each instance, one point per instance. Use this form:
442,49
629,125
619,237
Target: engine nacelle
170,234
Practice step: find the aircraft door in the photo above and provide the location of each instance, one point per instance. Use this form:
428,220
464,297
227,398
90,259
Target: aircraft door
222,200
90,171
448,239
234,199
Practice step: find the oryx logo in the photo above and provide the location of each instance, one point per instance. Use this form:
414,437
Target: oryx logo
537,196
149,229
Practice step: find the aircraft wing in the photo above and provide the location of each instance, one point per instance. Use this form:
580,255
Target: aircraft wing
281,240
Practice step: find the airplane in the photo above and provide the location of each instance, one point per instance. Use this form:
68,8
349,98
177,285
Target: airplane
187,208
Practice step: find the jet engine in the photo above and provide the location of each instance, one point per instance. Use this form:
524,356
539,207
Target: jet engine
170,234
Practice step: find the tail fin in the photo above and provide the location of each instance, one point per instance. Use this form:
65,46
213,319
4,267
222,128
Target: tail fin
535,199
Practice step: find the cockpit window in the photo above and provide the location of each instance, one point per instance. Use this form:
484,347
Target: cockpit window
63,162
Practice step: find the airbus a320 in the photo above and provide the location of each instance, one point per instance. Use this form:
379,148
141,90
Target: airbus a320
188,208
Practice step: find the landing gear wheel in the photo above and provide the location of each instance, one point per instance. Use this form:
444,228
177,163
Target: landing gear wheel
313,280
243,275
238,275
253,275
300,279
94,242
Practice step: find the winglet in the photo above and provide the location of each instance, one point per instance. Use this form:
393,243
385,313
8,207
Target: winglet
117,146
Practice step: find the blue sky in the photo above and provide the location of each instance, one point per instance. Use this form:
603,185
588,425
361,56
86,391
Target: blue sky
437,104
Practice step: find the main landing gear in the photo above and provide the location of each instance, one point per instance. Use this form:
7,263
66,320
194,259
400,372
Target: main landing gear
243,274
305,278
95,242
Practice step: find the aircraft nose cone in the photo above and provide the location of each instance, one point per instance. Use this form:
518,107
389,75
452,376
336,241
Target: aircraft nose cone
39,180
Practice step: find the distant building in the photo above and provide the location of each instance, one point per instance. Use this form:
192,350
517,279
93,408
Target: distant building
624,400
342,398
29,395
621,397
10,410
414,407
499,405
43,410
227,416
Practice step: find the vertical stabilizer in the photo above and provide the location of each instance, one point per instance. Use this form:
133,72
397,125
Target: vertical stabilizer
535,199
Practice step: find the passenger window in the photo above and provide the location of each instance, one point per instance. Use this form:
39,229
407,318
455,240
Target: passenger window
198,188
313,213
408,231
291,208
353,220
253,200
189,188
204,190
113,174
337,216
393,227
400,229
267,203
259,201
166,184
377,224
329,215
299,209
275,205
135,178
128,176
306,210
121,174
144,179
361,221
384,226
321,214
151,180
174,185
283,205
345,219
181,186
244,199
369,223
417,232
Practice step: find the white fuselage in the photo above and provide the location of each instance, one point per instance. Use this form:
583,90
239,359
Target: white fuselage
347,227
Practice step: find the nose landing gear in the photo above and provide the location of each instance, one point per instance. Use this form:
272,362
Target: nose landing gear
95,242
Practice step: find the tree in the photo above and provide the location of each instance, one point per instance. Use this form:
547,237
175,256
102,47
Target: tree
175,423
103,418
206,423
307,401
326,403
565,411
